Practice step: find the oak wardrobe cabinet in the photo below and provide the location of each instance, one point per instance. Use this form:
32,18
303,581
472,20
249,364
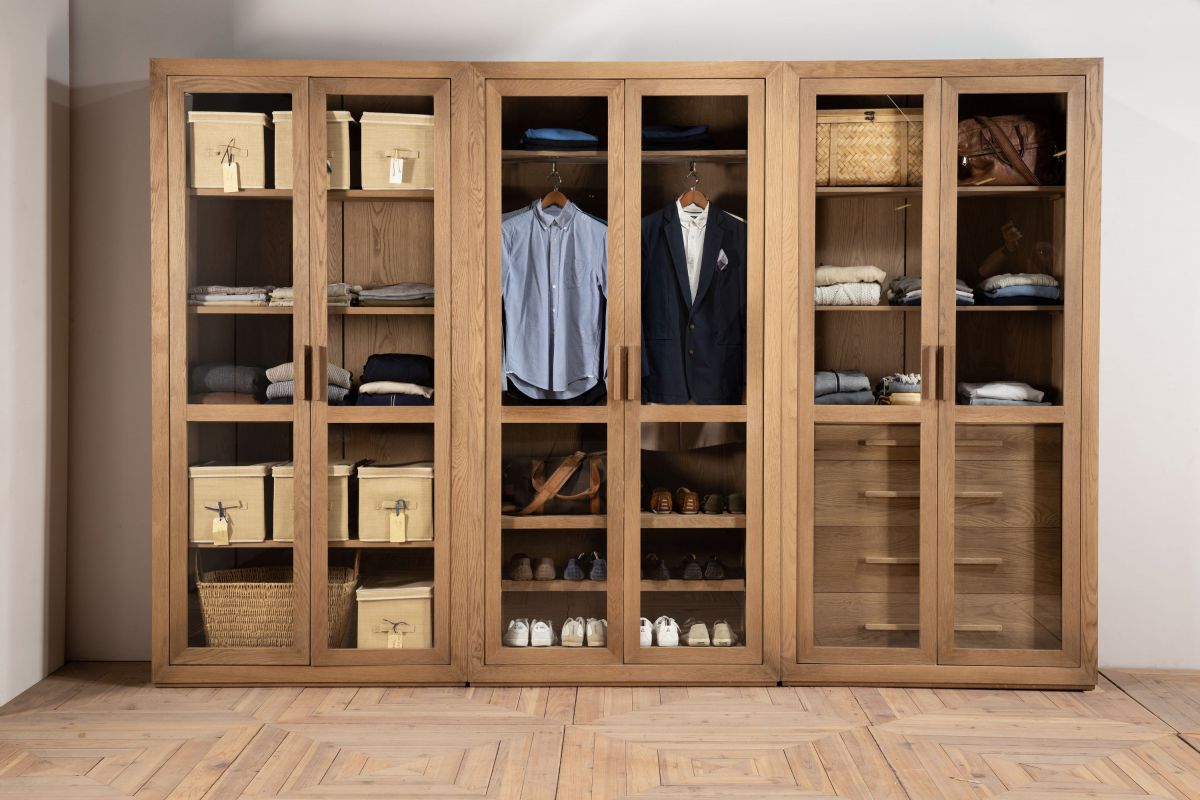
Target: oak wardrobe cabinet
924,544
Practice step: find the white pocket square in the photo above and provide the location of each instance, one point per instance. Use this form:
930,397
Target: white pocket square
722,260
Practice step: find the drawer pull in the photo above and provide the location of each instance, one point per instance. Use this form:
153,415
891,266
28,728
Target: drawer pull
913,626
978,562
883,443
890,494
979,495
891,560
979,443
979,628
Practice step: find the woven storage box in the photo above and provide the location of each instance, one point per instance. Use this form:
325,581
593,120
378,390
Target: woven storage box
869,147
337,146
395,614
241,491
379,489
254,606
408,137
284,499
212,134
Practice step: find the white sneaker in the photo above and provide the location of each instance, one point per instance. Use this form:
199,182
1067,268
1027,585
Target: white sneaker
697,633
541,633
645,633
666,632
517,634
723,635
572,632
597,632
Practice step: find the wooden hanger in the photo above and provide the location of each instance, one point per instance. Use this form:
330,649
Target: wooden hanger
693,196
554,197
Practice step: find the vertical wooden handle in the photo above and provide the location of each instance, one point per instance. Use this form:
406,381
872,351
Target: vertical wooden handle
305,379
944,367
928,373
320,375
635,373
621,354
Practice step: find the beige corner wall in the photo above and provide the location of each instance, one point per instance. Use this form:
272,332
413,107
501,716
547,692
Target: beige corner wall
1150,439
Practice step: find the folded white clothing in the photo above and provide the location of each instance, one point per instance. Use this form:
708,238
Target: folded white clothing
409,290
827,276
395,387
334,290
849,294
287,372
221,289
285,303
1001,390
1017,279
226,299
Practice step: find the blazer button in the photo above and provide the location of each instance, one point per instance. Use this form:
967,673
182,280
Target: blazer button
691,352
691,326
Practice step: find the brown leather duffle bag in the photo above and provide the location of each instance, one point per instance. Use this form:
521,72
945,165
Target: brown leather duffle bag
576,484
1013,150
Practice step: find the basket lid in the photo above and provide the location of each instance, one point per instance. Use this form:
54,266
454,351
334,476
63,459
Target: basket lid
211,470
383,118
238,117
337,469
394,588
418,469
330,116
828,115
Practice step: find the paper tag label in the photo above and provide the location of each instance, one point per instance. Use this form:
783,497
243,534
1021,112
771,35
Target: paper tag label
396,170
220,531
398,527
229,176
395,641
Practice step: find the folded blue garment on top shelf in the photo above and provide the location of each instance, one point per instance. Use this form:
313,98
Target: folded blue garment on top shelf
862,398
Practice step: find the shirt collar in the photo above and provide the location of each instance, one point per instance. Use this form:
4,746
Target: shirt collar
562,219
688,219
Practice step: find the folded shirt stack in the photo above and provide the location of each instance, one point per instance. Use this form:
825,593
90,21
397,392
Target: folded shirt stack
410,293
226,384
282,386
899,389
217,295
849,286
676,137
1000,393
1020,289
396,379
558,139
906,291
338,294
849,388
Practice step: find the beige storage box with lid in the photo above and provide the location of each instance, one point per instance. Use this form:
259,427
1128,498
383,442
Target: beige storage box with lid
395,502
240,491
337,147
395,613
283,489
869,147
214,136
397,150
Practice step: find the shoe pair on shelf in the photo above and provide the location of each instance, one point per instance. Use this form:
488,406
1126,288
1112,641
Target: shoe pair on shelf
584,565
686,501
576,632
655,569
665,632
522,568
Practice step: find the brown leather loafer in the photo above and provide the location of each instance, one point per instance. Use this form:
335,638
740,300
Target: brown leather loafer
687,501
660,502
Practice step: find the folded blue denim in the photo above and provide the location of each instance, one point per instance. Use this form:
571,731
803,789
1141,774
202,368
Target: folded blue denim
826,382
862,398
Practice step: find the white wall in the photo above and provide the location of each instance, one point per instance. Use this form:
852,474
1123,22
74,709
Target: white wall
1150,470
34,180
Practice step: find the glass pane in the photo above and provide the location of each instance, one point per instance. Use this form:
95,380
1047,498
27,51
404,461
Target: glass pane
866,535
693,259
1011,228
693,559
1008,537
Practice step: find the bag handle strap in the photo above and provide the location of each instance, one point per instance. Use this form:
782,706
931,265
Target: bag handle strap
1001,141
556,481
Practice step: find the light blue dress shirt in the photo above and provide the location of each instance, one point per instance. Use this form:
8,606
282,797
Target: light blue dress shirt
555,288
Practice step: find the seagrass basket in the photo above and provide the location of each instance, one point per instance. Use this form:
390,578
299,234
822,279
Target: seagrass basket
869,147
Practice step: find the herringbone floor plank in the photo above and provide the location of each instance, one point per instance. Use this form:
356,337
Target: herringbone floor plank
101,731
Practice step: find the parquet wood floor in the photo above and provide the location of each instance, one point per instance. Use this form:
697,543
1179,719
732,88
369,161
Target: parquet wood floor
101,731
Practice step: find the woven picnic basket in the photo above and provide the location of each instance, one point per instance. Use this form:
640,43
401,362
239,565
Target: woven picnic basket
869,147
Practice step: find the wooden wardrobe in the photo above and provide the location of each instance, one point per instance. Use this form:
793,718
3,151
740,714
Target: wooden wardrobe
927,544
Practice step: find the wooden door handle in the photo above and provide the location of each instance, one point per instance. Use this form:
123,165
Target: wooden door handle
306,377
633,355
947,358
928,370
320,376
890,494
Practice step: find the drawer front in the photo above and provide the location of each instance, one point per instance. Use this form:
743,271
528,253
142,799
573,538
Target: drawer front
1009,494
1008,443
1008,622
867,493
1025,561
865,619
862,559
867,442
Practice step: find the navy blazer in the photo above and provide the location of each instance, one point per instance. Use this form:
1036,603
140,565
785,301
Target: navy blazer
693,351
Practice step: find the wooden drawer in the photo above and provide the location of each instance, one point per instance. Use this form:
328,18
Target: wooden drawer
1008,443
866,619
858,559
1009,494
867,442
1008,622
867,493
1024,561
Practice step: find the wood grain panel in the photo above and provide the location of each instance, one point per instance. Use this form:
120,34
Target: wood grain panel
841,497
1022,494
867,443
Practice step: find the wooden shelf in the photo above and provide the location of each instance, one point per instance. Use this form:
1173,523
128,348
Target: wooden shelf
979,308
236,309
352,195
703,156
867,414
379,415
691,413
868,191
554,586
358,544
259,412
692,521
868,308
552,521
1011,191
355,311
244,194
601,156
554,414
1010,415
268,544
694,586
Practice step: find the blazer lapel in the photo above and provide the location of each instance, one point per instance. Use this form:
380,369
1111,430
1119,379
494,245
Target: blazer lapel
674,236
713,236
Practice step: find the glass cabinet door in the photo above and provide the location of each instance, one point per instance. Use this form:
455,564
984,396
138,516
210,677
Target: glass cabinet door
866,533
238,232
554,317
378,162
1012,217
693,431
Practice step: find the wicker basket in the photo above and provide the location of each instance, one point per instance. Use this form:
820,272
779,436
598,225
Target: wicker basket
253,606
869,147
